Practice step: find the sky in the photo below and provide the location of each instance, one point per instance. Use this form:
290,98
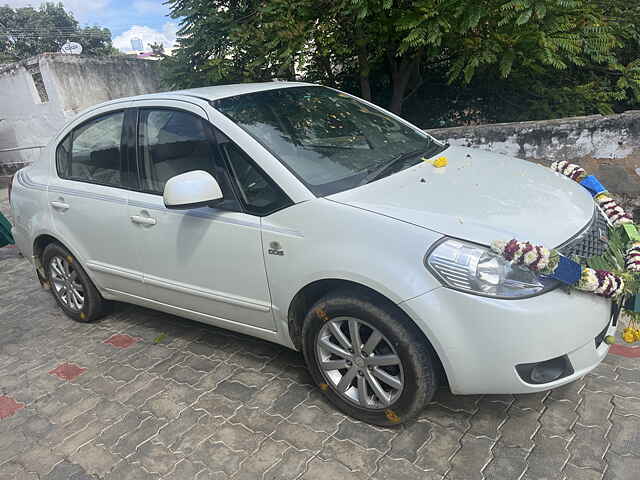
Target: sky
145,19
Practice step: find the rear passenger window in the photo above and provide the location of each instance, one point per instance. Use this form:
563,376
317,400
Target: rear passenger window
171,142
91,152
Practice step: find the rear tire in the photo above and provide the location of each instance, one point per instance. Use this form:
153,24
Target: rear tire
392,363
72,288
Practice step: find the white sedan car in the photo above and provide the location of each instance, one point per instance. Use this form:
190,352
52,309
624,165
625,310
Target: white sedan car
308,217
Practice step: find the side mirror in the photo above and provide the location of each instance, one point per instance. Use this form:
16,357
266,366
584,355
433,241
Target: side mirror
190,190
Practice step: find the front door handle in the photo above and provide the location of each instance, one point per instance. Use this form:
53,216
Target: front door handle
59,205
143,220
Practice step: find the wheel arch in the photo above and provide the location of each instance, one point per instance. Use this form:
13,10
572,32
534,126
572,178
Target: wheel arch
41,241
312,292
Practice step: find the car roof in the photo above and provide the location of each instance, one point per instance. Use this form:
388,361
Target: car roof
210,93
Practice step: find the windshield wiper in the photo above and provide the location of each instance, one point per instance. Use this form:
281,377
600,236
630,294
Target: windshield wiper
386,167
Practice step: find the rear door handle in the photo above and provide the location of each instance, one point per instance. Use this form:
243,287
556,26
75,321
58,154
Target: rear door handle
143,220
59,205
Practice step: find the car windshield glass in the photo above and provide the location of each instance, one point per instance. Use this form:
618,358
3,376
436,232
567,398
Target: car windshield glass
329,140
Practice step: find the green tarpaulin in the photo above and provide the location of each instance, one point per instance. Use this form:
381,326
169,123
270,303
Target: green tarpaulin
5,232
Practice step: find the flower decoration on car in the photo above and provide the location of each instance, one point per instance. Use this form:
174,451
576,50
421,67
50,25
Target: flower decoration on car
631,333
537,258
615,274
633,257
439,162
574,172
551,263
612,210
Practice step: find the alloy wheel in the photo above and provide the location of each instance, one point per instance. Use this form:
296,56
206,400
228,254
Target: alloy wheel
66,283
359,362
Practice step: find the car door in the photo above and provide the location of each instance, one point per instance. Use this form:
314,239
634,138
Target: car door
204,260
87,198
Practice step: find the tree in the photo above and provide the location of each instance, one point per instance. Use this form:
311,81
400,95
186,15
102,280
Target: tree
531,92
387,49
25,32
157,49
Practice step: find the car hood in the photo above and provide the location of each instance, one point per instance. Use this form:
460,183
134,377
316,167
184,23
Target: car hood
480,197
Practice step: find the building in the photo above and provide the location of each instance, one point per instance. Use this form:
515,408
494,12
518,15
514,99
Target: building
39,95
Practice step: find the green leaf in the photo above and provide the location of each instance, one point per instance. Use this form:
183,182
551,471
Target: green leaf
160,338
524,17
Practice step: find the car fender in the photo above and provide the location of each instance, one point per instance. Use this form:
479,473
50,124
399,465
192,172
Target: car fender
322,240
69,246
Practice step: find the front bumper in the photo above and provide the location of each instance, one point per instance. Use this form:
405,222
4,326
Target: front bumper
481,340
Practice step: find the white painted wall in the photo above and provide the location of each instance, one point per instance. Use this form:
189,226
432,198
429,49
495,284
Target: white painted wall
73,83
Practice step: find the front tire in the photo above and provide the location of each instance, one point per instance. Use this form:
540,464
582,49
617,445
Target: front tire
368,358
70,285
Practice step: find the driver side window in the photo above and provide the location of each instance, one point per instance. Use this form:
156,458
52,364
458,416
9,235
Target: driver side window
258,193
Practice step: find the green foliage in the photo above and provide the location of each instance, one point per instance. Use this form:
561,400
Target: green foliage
157,48
25,32
498,59
613,260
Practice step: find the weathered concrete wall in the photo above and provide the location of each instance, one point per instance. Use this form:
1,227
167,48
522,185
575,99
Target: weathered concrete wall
24,119
606,146
38,95
82,82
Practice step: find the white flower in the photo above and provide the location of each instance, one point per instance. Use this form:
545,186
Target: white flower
545,257
623,220
588,280
530,257
615,280
498,246
633,257
517,257
543,263
602,199
606,284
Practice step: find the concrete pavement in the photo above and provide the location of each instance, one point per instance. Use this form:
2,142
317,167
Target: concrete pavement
142,394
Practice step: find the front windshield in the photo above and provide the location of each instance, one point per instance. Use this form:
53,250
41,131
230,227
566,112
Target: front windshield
329,140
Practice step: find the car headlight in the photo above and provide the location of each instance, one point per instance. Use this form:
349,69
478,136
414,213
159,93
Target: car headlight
476,269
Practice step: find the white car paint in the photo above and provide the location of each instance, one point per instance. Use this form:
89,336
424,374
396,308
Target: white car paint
189,188
510,198
376,235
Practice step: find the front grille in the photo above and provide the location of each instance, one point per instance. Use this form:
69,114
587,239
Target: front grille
591,241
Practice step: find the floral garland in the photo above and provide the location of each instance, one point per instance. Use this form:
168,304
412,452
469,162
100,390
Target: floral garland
625,283
574,172
547,262
534,257
633,258
612,210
